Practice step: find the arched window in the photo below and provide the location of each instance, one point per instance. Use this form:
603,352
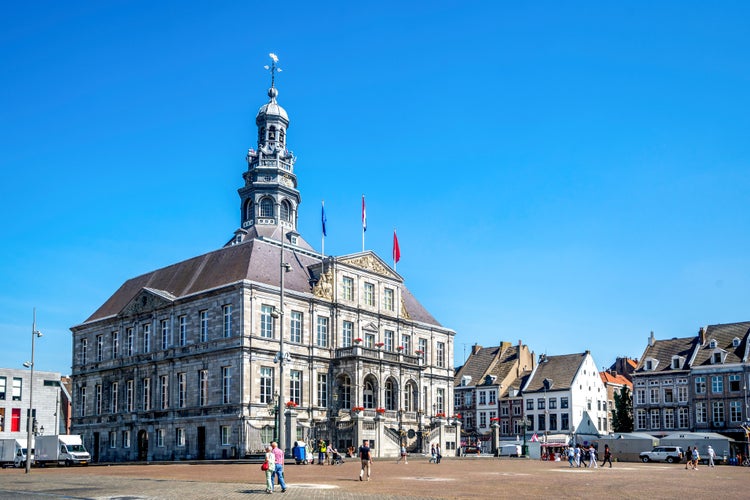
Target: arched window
249,210
368,394
266,207
281,135
286,211
391,395
271,133
261,135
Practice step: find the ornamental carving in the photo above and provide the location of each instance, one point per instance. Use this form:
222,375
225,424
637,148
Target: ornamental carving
324,287
370,263
404,312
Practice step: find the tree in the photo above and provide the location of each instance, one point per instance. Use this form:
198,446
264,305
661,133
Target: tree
622,415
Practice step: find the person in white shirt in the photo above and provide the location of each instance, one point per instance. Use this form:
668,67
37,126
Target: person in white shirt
711,455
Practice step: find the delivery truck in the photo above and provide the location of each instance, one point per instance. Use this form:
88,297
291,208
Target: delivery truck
13,452
62,450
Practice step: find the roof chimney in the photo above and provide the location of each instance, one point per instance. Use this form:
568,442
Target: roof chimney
651,339
475,349
702,335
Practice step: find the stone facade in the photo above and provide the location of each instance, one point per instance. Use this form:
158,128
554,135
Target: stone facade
186,362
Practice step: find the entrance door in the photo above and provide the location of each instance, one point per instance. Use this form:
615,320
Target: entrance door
142,445
201,443
95,456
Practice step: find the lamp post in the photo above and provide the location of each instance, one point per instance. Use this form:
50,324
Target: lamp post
284,268
30,364
525,447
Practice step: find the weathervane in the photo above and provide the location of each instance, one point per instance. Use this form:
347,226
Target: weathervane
272,68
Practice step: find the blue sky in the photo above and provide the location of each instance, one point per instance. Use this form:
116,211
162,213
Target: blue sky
573,175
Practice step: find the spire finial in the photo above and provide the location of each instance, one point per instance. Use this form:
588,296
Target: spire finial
272,68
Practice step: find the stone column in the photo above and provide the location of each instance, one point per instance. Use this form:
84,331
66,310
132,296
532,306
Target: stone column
290,436
495,439
380,433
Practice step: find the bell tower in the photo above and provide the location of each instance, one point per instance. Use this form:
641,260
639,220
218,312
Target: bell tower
269,198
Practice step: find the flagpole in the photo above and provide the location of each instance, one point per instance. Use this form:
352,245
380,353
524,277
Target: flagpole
364,222
323,224
394,249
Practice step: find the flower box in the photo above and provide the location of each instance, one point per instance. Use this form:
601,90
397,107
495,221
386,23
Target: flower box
379,345
458,415
291,404
440,415
357,409
400,348
419,351
358,340
380,410
494,419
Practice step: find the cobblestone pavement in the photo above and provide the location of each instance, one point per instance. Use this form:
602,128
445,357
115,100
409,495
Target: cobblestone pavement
453,478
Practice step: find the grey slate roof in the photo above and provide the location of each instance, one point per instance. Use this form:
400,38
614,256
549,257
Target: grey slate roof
724,335
664,350
476,366
254,260
561,370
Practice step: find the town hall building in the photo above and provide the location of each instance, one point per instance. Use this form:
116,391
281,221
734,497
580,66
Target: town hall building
264,338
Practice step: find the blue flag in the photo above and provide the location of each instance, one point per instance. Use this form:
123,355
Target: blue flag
323,216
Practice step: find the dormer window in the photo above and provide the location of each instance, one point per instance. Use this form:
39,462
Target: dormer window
717,357
712,344
736,342
677,362
465,380
650,364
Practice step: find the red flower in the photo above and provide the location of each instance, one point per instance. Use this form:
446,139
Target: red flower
291,404
380,410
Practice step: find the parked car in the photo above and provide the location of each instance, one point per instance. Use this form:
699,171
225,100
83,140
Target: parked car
669,454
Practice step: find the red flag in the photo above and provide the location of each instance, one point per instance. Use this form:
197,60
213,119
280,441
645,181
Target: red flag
396,249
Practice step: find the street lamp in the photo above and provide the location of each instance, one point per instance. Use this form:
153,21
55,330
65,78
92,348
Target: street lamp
525,448
29,421
284,268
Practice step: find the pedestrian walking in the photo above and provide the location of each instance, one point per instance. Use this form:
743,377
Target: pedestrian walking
592,457
433,455
696,458
577,453
321,452
402,455
437,453
366,459
571,455
688,458
270,465
278,455
711,455
607,456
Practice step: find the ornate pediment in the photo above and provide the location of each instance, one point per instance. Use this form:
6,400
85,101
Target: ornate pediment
147,300
370,262
370,327
324,287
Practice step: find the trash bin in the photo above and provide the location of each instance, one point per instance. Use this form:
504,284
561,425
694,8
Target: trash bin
299,452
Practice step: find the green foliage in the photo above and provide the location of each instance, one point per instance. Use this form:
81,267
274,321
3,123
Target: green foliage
622,415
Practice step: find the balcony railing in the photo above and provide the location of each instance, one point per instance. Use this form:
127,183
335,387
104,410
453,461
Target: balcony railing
358,351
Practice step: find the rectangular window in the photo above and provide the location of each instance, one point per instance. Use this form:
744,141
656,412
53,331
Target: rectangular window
553,421
440,354
388,299
640,419
482,419
406,343
113,439
440,400
114,396
295,386
654,395
129,342
227,313
323,390
552,403
423,348
504,410
564,421
179,437
542,422
734,383
266,385
369,294
226,435
492,397
682,393
146,394
735,411
3,387
564,402
160,438
654,414
389,337
701,413
203,329
17,388
668,395
129,396
717,412
347,333
640,396
146,338
181,390
84,351
700,385
15,420
295,327
182,321
164,386
717,384
683,418
482,397
82,401
164,334
347,288
517,408
99,348
540,403
98,399
529,404
202,387
370,340
669,418
226,383
115,344
266,321
126,439
322,339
